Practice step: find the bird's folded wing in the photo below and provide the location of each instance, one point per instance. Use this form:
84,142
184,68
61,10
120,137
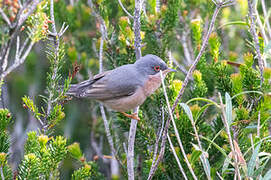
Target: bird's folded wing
102,90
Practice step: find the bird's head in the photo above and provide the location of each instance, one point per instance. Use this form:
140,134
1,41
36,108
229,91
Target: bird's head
151,65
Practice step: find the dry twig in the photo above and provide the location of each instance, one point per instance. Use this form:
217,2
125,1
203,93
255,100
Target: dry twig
251,13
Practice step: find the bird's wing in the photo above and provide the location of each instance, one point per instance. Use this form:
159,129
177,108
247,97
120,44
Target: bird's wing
118,83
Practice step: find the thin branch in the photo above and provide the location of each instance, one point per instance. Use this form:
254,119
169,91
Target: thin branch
5,17
176,157
188,76
176,133
259,124
26,12
131,143
158,136
137,25
133,125
204,160
125,10
2,173
266,17
259,22
18,62
255,37
56,53
227,126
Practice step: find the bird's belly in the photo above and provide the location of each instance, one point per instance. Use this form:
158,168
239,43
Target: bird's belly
127,103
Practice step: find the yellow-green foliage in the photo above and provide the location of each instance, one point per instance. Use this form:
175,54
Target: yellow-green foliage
38,22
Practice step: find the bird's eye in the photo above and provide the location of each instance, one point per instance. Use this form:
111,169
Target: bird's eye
157,68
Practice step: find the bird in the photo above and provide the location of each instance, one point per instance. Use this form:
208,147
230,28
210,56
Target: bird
125,87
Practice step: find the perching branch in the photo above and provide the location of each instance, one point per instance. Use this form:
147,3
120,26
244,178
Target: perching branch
125,10
219,5
251,13
2,173
133,125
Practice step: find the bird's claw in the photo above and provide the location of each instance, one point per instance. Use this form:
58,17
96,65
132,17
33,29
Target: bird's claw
132,116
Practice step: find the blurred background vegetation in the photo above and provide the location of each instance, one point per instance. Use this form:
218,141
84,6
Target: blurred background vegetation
171,29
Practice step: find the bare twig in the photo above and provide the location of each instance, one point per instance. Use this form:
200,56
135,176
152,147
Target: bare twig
259,124
188,76
5,17
176,133
137,29
125,10
2,173
227,126
130,152
26,12
176,157
133,125
18,62
266,16
251,12
181,67
158,136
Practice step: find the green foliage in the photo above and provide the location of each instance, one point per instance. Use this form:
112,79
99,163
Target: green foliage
29,103
5,119
37,23
89,170
214,46
43,156
200,88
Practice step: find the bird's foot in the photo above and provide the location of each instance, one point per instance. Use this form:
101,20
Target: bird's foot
132,116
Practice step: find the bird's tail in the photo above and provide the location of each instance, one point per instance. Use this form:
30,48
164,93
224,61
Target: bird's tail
78,90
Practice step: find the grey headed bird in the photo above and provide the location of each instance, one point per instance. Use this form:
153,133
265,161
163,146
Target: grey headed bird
125,87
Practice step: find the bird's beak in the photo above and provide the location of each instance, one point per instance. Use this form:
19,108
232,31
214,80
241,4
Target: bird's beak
169,70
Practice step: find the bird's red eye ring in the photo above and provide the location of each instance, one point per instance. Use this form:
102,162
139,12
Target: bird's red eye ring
157,68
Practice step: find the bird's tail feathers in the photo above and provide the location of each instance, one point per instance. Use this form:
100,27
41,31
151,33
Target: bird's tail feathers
77,90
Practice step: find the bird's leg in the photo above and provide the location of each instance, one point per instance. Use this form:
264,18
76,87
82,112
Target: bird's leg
132,116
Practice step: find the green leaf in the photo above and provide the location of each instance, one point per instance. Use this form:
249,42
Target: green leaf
187,110
228,109
195,156
226,164
252,161
215,145
242,23
267,176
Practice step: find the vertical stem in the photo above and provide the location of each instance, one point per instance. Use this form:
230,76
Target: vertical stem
176,130
2,173
227,126
255,37
176,157
133,125
131,142
137,29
